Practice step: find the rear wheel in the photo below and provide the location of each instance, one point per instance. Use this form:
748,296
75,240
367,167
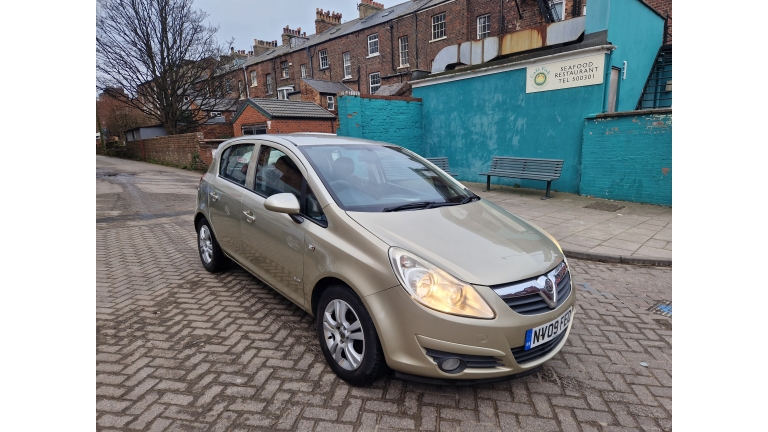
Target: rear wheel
210,253
348,338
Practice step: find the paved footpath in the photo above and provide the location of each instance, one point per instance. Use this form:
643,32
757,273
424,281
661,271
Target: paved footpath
629,231
178,348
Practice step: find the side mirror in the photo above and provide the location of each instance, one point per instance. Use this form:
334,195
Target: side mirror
282,203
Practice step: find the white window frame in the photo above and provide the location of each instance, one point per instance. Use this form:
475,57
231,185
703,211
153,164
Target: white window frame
214,114
438,27
240,89
282,92
228,85
269,84
254,79
284,69
347,60
483,26
331,103
554,3
323,54
303,71
370,82
402,42
373,43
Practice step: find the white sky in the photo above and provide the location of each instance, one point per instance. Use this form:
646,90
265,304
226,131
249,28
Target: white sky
246,20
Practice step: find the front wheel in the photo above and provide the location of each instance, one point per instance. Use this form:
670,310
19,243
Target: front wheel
348,338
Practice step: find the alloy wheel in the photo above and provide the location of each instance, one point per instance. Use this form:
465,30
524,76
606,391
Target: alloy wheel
343,334
206,244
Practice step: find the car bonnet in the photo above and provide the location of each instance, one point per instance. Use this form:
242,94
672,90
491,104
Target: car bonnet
479,243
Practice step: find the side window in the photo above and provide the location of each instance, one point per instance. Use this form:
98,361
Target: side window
277,173
234,163
311,207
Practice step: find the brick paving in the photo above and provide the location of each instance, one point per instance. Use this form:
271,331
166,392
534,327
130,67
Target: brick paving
181,349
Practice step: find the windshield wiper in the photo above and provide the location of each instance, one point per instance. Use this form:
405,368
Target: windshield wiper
469,199
420,205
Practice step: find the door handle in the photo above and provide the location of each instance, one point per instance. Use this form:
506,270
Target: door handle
249,217
214,196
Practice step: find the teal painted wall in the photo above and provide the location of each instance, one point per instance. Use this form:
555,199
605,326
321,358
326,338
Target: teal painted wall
394,121
472,120
598,12
637,32
628,158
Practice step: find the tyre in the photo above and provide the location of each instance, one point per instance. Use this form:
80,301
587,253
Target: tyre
210,253
348,338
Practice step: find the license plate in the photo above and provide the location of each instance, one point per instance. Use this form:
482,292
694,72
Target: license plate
544,333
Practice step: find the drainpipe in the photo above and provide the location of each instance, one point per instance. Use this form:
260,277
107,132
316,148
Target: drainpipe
245,81
392,46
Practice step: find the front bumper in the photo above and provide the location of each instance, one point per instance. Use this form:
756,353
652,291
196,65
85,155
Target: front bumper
409,331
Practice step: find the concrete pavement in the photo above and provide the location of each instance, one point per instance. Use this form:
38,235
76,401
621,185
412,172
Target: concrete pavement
633,234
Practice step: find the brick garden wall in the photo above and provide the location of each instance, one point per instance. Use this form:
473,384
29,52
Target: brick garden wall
628,157
185,150
382,118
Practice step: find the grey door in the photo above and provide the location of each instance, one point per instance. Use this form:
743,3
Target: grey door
226,195
273,242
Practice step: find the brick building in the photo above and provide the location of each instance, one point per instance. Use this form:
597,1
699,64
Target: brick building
270,116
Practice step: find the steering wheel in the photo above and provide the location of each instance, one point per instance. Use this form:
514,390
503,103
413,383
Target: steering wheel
336,183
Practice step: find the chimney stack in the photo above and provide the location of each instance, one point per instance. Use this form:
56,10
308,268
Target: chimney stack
260,46
368,8
325,20
289,34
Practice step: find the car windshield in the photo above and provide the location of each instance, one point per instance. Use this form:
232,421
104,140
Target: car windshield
374,178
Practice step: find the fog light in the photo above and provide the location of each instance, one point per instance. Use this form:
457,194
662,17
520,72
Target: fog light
451,365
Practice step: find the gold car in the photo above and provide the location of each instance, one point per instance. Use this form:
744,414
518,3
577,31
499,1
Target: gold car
400,264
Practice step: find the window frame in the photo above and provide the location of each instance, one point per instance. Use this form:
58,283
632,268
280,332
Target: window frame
284,69
323,56
304,182
400,41
480,33
254,78
269,84
370,82
552,6
303,71
376,40
228,85
346,59
437,28
241,90
331,102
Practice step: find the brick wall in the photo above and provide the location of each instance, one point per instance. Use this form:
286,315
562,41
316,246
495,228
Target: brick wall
182,150
251,115
390,119
628,157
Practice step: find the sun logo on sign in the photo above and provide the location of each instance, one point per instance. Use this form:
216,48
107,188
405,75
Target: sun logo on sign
540,77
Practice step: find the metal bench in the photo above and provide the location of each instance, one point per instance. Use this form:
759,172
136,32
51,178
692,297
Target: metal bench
442,163
525,168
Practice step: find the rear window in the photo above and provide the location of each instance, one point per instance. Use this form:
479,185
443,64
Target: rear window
234,163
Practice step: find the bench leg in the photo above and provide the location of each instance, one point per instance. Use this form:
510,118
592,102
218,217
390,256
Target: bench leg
547,195
488,184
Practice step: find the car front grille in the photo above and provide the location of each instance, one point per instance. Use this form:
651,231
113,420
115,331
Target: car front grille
472,361
529,301
522,356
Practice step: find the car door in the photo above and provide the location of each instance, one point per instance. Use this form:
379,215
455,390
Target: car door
225,196
274,242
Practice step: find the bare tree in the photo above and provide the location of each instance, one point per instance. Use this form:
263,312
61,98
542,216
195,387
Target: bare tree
165,58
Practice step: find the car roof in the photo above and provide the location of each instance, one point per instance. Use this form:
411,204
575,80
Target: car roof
309,138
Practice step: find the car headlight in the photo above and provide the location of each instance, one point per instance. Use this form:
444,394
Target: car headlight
435,288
